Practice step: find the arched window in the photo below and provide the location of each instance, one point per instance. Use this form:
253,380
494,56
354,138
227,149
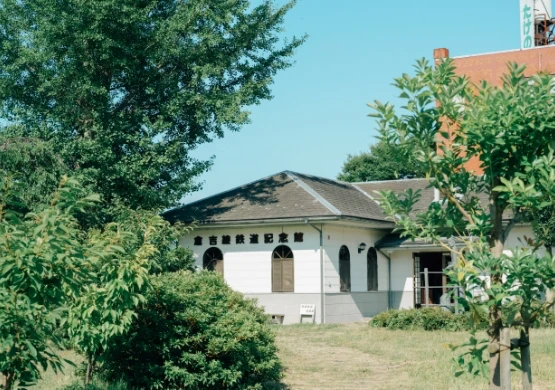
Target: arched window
372,269
283,269
213,260
344,269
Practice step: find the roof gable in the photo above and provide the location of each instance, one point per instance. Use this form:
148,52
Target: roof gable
291,195
274,197
400,186
347,199
284,195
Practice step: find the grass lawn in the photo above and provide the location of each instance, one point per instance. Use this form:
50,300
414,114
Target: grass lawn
52,381
355,356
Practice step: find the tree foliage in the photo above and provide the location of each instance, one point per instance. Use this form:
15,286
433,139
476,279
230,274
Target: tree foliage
169,255
41,263
126,89
36,167
509,130
543,223
117,279
383,162
195,332
51,271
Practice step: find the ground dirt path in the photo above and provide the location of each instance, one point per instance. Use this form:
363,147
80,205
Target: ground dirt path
316,362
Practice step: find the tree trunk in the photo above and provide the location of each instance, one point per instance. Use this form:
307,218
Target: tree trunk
88,374
525,361
494,339
495,320
505,359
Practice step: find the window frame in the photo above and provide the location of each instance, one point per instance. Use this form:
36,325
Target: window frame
372,285
282,261
344,261
204,258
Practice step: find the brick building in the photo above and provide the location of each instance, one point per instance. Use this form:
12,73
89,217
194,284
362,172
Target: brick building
491,67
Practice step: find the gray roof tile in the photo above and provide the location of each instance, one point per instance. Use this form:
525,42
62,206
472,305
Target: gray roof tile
345,197
399,186
287,195
280,196
273,197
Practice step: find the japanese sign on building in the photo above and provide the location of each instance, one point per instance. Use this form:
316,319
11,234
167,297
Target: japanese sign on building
253,239
527,28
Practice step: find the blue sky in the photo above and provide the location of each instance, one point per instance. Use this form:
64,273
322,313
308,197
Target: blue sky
354,51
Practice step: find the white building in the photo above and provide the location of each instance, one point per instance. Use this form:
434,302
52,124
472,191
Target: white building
293,239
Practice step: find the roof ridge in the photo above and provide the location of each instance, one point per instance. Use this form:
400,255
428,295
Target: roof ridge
313,192
224,192
320,177
366,194
389,181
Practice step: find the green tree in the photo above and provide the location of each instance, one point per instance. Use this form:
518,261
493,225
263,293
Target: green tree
125,89
543,223
50,267
117,280
38,169
383,162
510,130
41,258
195,332
169,256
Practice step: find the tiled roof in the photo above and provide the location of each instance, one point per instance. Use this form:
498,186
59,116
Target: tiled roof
290,195
426,193
348,199
395,241
273,197
399,186
284,195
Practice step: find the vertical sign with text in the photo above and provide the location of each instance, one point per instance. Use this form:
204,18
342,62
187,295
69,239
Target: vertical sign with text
526,24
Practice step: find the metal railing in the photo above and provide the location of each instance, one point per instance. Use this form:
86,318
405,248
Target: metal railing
425,276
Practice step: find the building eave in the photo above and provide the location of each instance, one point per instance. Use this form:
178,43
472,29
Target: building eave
361,222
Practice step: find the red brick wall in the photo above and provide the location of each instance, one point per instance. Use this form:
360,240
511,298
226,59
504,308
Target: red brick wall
490,67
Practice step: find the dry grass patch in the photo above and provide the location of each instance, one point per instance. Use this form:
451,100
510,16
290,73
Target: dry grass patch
355,356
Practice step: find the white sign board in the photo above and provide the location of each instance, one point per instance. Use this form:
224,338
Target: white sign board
308,311
527,28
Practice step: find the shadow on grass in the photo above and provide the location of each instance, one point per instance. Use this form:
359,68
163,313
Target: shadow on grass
275,386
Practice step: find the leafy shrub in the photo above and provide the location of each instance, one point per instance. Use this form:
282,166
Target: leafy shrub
169,257
421,319
195,332
97,384
435,319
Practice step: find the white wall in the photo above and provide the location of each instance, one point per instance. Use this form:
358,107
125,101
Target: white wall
402,278
247,267
402,267
516,236
334,238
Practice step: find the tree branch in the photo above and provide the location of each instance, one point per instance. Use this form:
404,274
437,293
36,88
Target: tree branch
458,205
516,219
